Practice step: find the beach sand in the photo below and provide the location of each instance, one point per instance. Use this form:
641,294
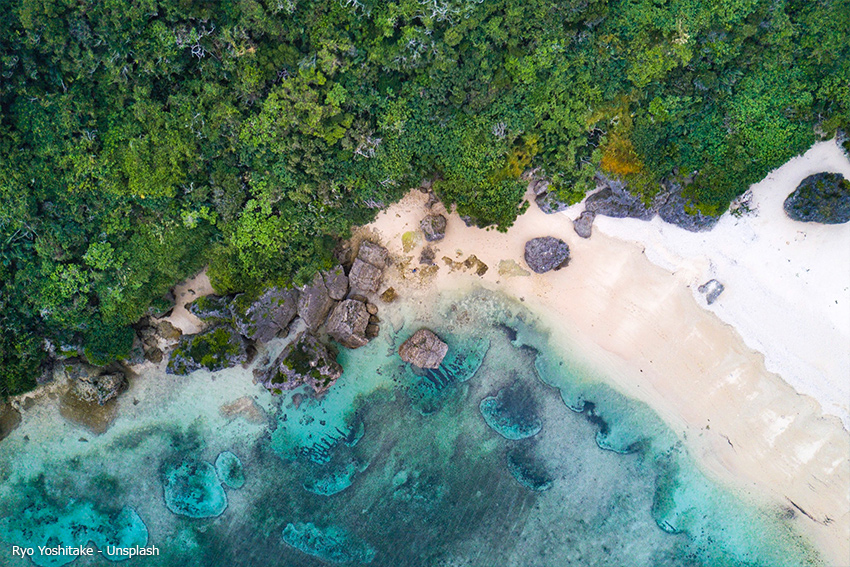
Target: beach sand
641,324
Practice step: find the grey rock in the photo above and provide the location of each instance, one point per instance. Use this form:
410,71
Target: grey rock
617,204
93,384
424,349
373,254
674,208
365,276
583,225
823,197
539,187
214,349
306,360
549,203
347,323
546,253
210,308
262,318
314,303
434,227
426,257
712,290
336,283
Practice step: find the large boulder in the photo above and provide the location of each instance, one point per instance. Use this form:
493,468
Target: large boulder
214,349
583,225
314,303
347,323
434,227
365,276
674,208
262,318
210,308
618,204
93,384
374,254
823,198
546,253
424,349
306,360
336,283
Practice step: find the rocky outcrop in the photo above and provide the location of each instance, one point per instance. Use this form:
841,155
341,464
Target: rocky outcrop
434,227
424,349
365,276
618,204
583,225
674,208
263,318
314,303
156,336
336,283
712,290
549,203
546,253
374,254
93,383
823,198
10,418
210,308
347,323
214,349
306,360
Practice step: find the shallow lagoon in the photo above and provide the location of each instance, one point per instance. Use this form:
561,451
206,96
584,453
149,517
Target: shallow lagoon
509,454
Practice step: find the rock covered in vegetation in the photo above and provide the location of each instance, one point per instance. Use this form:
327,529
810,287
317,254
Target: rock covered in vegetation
314,303
347,323
823,197
10,419
434,227
263,318
424,349
214,349
93,383
546,253
712,290
583,225
674,208
306,360
549,203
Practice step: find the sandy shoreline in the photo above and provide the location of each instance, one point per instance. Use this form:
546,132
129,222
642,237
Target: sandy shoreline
745,425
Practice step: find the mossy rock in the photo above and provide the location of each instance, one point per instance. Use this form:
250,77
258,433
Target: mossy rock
218,348
211,308
823,198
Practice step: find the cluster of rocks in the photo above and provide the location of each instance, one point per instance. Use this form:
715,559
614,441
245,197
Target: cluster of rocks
823,197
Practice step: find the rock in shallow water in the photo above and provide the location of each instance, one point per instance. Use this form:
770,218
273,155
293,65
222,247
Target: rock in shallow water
193,489
424,349
823,198
229,470
347,323
546,253
511,413
306,360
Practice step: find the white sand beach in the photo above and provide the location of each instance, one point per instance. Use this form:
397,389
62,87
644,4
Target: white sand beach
642,323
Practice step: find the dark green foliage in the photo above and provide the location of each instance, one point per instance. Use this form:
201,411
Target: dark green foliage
143,140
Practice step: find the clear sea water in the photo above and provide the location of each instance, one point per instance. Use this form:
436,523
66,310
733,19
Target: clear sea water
510,454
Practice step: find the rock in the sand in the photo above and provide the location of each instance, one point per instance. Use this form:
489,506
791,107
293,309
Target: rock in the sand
617,204
426,257
314,303
583,225
262,318
210,308
549,203
434,227
92,384
347,323
823,198
214,349
336,283
365,276
424,349
546,253
306,360
674,208
712,290
374,254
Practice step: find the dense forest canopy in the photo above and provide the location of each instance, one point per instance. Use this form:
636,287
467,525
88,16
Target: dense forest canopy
141,140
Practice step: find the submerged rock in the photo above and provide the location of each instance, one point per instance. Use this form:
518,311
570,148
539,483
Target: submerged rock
511,413
347,323
10,419
306,360
365,276
424,349
823,198
583,225
712,290
229,469
215,349
527,470
546,253
433,227
193,489
314,303
264,317
329,544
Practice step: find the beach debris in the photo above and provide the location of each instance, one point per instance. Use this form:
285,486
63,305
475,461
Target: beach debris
546,253
306,360
347,323
823,197
434,227
424,349
712,290
584,223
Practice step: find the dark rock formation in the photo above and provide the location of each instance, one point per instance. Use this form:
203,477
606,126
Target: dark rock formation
712,290
673,208
434,227
549,203
210,308
214,349
424,349
583,225
314,303
306,360
336,283
93,384
389,295
823,197
365,276
374,254
617,204
262,318
347,323
426,257
9,419
546,253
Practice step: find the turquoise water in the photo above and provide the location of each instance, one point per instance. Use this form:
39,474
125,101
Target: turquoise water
509,454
